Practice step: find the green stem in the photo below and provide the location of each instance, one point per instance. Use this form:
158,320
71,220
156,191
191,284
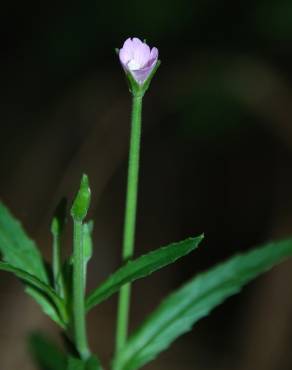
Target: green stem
130,219
79,320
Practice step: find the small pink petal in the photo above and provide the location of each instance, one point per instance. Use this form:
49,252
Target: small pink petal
154,53
141,54
126,53
128,45
136,42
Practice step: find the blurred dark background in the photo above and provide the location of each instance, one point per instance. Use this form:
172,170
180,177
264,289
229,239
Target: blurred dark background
216,158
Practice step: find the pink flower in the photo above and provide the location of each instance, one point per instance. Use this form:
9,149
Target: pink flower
137,58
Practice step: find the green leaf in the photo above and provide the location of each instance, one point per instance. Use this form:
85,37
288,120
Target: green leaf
93,364
47,306
182,309
140,268
45,353
16,247
43,289
77,364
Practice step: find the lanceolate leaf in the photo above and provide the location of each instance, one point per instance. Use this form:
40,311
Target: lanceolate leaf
75,364
37,286
46,354
140,268
93,364
16,247
182,309
46,304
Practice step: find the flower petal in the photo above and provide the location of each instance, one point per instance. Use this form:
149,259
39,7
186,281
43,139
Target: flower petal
137,42
127,51
141,54
154,53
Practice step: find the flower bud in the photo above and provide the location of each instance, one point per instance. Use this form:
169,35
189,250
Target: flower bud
139,62
82,201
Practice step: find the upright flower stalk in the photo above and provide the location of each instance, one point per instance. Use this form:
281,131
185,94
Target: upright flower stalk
130,218
139,63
